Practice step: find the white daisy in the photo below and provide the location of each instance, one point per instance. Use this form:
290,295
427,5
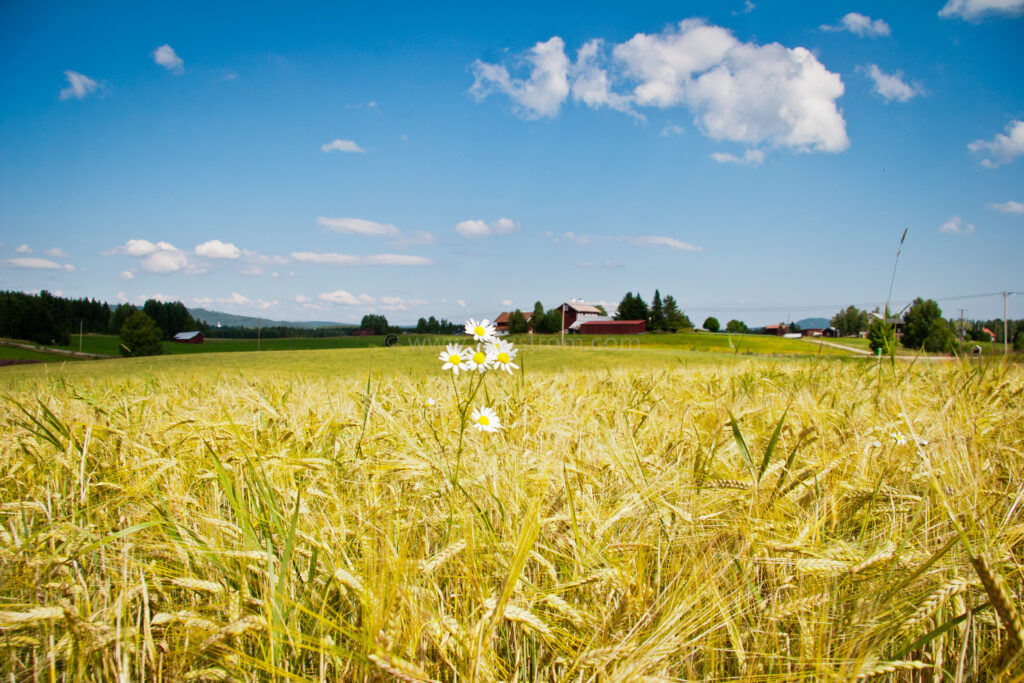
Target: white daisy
501,353
430,403
899,438
485,419
479,360
454,357
482,331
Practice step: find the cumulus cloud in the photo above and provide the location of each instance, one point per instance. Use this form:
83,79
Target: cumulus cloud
218,249
359,226
892,86
79,86
1003,148
752,157
161,258
342,146
537,96
972,10
23,249
166,57
340,296
671,130
56,252
956,226
1008,207
477,228
126,275
860,25
743,92
329,259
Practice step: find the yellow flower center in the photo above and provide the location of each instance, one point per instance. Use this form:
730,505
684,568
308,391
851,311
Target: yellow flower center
479,357
480,331
483,420
503,357
454,360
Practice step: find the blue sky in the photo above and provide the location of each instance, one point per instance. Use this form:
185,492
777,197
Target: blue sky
756,160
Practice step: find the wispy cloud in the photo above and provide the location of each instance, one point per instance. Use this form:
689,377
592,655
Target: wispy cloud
56,252
1003,148
477,228
655,241
333,259
79,86
236,300
342,146
166,57
359,226
1008,207
956,226
972,10
752,157
23,249
860,25
340,296
671,130
892,86
37,263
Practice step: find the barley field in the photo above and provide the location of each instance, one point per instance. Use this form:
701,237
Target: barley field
642,515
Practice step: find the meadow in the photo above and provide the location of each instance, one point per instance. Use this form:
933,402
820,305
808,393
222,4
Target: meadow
650,513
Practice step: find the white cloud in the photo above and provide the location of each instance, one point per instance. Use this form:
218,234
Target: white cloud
891,86
299,299
860,25
235,299
671,130
419,238
397,303
396,260
326,259
976,9
590,82
461,303
660,241
743,92
31,262
251,270
23,249
956,226
539,95
79,86
752,157
748,7
218,249
342,146
340,296
120,296
475,228
126,275
1008,207
161,258
166,57
56,253
359,226
506,302
1003,148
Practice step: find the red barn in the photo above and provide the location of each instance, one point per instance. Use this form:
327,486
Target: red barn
189,338
501,322
613,327
575,310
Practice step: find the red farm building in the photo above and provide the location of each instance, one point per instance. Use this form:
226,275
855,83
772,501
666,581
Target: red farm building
613,327
501,322
189,338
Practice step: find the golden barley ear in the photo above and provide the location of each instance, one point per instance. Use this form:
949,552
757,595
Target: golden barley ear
1004,604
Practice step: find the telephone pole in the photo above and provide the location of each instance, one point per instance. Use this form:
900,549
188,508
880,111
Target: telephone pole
962,325
1006,329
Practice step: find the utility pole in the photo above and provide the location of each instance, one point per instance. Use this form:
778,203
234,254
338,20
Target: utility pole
961,325
1006,329
258,326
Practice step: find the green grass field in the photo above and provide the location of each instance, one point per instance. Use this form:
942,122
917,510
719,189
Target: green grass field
653,513
25,354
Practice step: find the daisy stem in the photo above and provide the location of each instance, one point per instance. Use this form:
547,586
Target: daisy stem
463,412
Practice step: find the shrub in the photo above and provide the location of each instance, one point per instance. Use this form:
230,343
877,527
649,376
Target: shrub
140,336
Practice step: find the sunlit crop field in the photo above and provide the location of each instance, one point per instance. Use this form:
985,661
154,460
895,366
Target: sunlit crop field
642,515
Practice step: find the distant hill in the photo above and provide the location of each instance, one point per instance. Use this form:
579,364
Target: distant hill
813,323
215,318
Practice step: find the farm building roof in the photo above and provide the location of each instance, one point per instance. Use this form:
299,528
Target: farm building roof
581,307
185,336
